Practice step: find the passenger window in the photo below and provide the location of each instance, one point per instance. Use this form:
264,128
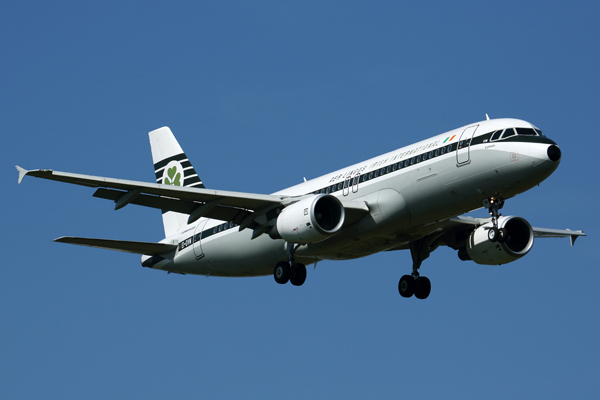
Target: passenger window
437,152
370,175
394,167
406,163
339,186
443,150
430,154
419,158
508,133
412,161
449,148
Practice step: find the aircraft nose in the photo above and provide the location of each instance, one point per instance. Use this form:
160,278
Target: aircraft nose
554,153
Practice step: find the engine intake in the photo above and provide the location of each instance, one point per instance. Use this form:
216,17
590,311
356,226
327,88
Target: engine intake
518,242
310,220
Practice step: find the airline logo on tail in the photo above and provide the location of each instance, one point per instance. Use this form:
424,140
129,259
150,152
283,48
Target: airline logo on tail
173,174
177,171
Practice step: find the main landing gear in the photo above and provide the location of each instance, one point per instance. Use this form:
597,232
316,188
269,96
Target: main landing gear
495,234
290,271
415,284
294,273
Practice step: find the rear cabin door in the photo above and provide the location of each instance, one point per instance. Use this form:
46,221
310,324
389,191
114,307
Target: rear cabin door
198,239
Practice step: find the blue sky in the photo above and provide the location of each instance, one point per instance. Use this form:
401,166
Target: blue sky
260,95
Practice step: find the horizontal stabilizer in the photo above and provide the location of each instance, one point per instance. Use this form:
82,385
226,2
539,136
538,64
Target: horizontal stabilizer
148,248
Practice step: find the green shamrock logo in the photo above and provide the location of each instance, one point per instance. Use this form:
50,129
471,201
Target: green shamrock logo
173,177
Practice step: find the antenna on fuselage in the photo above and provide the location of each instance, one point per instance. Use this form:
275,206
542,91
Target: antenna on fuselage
487,117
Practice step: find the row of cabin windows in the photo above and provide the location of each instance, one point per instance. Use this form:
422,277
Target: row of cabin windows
344,185
499,134
339,186
211,231
505,133
386,170
223,227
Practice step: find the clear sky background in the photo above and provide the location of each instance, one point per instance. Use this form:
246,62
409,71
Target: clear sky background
260,95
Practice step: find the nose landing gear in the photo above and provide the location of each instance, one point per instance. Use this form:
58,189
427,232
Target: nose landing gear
495,234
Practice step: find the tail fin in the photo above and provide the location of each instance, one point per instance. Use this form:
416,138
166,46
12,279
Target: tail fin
172,167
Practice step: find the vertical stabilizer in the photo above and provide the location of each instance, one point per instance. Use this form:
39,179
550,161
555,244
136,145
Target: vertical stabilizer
172,167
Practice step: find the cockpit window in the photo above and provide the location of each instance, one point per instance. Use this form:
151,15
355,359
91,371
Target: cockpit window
496,135
539,132
508,133
526,132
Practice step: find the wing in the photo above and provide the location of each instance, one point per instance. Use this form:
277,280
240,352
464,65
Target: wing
248,210
455,231
457,225
193,201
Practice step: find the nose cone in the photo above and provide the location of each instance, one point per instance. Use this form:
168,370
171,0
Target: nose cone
554,153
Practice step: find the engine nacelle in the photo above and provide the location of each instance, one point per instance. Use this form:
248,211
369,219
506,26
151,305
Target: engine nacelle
518,243
310,220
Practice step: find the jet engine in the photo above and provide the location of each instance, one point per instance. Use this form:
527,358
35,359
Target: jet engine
310,220
516,241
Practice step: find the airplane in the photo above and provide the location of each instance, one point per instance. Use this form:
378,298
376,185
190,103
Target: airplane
412,199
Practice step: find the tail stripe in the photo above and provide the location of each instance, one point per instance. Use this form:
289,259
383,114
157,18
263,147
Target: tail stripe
190,177
181,157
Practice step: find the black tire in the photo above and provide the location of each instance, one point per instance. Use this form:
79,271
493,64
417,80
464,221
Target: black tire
406,286
298,274
282,272
493,234
503,235
422,288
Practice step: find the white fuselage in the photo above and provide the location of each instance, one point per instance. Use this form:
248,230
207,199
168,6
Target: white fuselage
410,192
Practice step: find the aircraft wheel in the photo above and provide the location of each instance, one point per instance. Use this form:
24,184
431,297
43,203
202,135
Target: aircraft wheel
422,287
493,234
298,274
406,286
503,235
282,272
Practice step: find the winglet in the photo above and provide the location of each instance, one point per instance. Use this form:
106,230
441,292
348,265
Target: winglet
22,172
573,238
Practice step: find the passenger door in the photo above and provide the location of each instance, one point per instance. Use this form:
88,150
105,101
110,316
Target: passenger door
463,156
198,239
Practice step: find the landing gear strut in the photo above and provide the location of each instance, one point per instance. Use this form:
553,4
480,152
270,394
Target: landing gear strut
290,271
495,234
415,284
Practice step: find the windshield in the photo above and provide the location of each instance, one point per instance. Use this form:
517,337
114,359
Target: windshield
505,133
